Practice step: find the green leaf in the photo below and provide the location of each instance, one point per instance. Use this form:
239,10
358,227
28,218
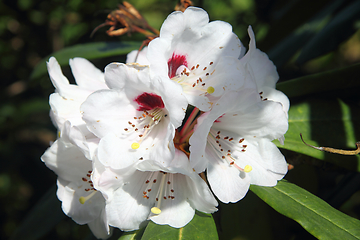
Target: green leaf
285,49
202,226
41,219
336,31
314,214
88,51
244,219
342,78
324,122
133,235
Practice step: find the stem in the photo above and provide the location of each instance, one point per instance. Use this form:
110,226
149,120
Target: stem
189,121
187,135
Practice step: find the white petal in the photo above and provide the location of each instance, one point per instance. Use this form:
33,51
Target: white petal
271,165
99,226
227,183
67,161
87,76
176,212
198,143
55,73
70,194
108,111
138,57
246,115
128,209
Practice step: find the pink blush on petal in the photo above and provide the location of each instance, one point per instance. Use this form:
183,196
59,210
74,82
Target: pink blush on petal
148,101
174,63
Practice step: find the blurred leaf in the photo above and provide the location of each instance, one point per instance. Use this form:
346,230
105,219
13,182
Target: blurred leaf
329,122
342,78
202,226
285,49
88,51
341,27
314,214
41,219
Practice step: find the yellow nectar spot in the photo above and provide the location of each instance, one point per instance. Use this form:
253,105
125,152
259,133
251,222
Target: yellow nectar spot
210,90
247,168
82,200
155,210
135,145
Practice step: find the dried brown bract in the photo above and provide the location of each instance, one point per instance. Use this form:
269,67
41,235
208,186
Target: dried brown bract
183,5
127,19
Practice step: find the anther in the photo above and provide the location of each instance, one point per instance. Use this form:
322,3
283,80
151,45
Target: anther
135,145
247,168
155,210
210,90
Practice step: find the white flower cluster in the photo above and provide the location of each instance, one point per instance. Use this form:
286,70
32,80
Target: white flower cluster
133,140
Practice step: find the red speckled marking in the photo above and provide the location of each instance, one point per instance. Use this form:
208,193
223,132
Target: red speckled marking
148,101
174,63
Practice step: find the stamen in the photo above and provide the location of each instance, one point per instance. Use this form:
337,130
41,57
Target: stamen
225,151
156,210
83,199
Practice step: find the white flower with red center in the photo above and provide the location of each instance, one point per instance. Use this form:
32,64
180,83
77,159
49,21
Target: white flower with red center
80,200
199,55
166,195
233,143
136,118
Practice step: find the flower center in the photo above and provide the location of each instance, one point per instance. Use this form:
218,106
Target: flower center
165,190
151,108
174,63
149,101
223,145
193,78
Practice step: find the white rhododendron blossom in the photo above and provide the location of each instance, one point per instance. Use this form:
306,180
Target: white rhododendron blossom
80,200
166,195
136,118
233,142
199,55
136,139
264,73
65,102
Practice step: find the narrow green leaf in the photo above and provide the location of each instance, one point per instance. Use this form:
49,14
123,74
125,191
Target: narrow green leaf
88,51
340,28
41,219
285,49
341,78
202,226
314,214
327,123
